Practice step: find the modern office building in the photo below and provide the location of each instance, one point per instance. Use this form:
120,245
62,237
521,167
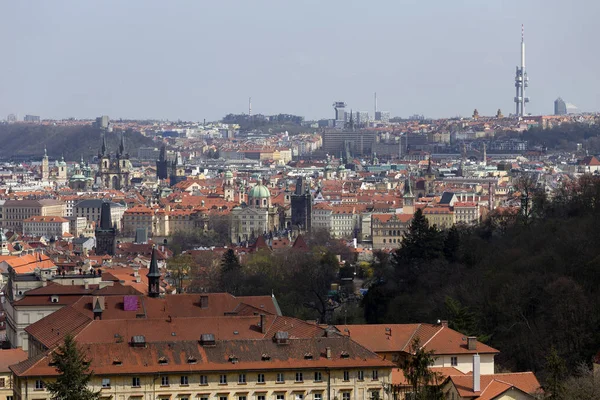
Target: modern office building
560,107
357,143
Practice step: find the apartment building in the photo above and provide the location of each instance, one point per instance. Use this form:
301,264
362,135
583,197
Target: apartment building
49,226
17,211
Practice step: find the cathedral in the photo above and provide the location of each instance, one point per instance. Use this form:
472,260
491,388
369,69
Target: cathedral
114,171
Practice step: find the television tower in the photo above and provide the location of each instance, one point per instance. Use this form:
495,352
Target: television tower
521,81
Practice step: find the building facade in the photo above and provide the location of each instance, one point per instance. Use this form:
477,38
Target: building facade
17,211
46,226
114,171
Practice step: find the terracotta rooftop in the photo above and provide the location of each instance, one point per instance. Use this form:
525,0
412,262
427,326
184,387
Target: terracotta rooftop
398,337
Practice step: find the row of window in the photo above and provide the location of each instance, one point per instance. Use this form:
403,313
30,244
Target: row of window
260,378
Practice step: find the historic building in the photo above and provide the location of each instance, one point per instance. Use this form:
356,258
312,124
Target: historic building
114,171
173,170
255,218
301,201
82,178
106,233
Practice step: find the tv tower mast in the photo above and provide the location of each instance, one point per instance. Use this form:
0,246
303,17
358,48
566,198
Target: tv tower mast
521,81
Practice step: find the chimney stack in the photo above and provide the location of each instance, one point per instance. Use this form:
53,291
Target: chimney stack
476,374
263,323
472,343
328,352
444,323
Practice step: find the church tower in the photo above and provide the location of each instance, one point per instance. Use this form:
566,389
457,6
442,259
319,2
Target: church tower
45,166
409,198
62,171
228,187
106,233
153,276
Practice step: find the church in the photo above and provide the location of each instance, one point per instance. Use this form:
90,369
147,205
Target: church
114,171
255,218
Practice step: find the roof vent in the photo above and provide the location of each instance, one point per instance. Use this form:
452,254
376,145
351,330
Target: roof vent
266,357
233,359
163,360
207,340
345,354
192,360
281,337
116,361
308,356
138,341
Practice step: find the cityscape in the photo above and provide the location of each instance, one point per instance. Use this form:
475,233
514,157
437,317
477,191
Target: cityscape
358,255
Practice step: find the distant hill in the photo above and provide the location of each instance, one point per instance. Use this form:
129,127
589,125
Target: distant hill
24,141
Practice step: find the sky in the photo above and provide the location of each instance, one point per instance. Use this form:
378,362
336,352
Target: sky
201,59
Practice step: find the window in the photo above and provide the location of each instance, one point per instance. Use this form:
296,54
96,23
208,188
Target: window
2,382
454,361
222,397
375,375
105,382
318,396
298,396
204,397
242,378
280,396
39,384
361,375
135,381
346,375
243,397
260,378
9,398
184,380
261,397
345,395
164,381
299,377
203,380
223,379
280,378
318,377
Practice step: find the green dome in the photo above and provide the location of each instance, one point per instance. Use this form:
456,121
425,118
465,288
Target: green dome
341,167
78,177
328,167
259,191
228,174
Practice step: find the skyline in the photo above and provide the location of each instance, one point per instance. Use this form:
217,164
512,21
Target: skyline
70,59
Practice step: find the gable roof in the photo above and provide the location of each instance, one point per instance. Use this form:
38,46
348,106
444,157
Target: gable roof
382,338
494,385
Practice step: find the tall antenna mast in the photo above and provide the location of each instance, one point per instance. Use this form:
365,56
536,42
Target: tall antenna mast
375,114
521,80
249,106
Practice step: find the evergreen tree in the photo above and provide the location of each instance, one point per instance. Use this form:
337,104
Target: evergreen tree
557,372
420,241
424,383
231,273
74,376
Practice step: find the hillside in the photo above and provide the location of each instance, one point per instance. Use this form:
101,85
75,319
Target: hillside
27,141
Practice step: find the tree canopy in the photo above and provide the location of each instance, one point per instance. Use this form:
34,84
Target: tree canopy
72,382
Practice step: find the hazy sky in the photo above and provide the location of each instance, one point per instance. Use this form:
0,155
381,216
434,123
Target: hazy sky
203,58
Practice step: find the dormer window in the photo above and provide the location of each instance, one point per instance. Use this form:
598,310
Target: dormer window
163,361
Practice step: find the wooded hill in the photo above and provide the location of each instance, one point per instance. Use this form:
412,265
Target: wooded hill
72,141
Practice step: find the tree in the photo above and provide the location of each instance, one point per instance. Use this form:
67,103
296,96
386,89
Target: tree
420,241
179,269
231,273
557,372
424,383
74,375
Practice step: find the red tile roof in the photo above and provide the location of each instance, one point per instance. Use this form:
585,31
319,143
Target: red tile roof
493,385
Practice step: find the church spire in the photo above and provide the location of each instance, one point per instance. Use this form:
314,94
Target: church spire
103,151
153,275
122,145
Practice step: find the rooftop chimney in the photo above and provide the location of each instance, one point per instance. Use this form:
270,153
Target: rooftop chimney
472,343
263,323
203,301
328,352
476,374
444,323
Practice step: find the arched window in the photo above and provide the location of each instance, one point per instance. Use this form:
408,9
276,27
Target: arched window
383,241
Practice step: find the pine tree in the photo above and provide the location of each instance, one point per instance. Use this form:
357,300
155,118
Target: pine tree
231,271
420,241
423,381
74,376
